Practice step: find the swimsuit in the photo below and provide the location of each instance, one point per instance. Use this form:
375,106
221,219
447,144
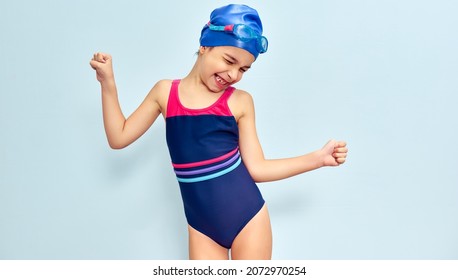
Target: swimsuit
218,193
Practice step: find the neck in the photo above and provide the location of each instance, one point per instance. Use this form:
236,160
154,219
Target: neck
193,78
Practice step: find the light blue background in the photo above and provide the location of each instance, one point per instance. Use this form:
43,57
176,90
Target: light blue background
381,75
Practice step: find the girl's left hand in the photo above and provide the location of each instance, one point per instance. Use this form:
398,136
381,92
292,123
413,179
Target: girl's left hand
335,153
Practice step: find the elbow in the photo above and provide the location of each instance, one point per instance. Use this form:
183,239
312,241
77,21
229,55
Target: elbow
260,174
116,145
258,179
256,172
257,176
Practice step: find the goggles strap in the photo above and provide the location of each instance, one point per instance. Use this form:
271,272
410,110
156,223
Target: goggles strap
229,28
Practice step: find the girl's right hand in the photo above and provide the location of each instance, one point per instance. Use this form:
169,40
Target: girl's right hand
102,64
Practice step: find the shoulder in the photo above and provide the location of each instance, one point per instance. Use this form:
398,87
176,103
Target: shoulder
162,86
241,97
159,94
241,103
160,89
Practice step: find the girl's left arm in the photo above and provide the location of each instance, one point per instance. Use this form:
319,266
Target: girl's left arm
261,169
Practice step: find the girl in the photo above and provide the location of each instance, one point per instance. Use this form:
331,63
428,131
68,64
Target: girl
212,139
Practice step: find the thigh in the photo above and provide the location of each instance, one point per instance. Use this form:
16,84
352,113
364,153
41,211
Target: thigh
202,247
254,242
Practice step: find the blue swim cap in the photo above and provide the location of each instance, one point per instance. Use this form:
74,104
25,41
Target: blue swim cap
231,15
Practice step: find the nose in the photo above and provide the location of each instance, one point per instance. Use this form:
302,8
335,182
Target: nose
233,74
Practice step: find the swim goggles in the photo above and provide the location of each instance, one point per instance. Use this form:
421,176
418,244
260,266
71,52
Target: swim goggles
243,33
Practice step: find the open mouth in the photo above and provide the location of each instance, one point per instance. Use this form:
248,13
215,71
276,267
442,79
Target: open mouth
221,82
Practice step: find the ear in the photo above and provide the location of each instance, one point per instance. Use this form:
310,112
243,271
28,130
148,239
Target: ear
202,49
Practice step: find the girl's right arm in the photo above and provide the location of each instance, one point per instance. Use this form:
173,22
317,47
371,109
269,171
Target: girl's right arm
121,131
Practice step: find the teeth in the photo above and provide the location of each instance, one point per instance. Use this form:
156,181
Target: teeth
220,80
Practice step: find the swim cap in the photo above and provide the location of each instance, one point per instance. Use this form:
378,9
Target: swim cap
229,15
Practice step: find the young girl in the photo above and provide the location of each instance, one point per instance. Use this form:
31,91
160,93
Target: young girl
212,140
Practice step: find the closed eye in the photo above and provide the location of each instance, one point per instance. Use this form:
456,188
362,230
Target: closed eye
230,62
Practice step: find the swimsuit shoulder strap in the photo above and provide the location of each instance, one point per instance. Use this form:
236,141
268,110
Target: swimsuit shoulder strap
222,102
173,102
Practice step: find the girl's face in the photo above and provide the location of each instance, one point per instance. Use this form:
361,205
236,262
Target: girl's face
223,66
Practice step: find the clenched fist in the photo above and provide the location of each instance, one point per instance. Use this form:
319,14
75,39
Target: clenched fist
335,153
102,64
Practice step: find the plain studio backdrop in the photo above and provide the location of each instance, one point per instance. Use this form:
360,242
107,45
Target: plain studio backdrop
381,75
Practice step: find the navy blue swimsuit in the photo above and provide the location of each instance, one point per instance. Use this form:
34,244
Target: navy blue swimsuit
218,193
